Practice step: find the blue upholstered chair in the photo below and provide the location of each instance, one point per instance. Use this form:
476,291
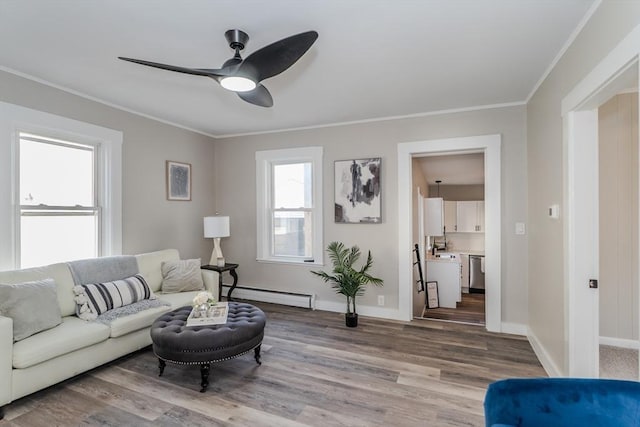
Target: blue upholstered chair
566,402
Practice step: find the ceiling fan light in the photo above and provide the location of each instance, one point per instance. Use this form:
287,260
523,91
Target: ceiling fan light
237,84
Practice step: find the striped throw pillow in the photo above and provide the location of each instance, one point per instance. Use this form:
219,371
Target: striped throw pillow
97,298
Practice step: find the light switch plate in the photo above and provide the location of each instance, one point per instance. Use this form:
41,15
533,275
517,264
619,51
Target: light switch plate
520,228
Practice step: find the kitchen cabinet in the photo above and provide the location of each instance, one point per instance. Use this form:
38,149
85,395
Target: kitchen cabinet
470,217
447,274
450,216
480,214
433,216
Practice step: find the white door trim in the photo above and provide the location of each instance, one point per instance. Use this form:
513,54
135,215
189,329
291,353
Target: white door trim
580,159
581,237
490,145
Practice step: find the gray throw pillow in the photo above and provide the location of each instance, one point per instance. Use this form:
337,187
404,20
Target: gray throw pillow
33,306
181,276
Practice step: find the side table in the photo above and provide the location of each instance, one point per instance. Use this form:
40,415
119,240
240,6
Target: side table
231,268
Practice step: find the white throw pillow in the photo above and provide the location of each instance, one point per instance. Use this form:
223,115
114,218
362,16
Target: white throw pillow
181,276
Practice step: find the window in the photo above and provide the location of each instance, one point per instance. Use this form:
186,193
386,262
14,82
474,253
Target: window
289,205
65,136
59,215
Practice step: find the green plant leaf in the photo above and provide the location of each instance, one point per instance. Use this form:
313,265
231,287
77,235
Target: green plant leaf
346,280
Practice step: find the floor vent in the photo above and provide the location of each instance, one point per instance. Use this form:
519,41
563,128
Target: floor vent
276,297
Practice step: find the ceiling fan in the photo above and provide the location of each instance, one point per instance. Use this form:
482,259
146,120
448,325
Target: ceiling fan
243,76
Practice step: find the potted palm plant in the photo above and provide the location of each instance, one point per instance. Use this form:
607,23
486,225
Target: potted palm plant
346,279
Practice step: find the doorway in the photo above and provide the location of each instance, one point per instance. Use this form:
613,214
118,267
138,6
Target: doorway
456,255
618,235
616,72
490,146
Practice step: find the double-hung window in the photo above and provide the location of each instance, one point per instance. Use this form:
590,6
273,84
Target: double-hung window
59,216
289,205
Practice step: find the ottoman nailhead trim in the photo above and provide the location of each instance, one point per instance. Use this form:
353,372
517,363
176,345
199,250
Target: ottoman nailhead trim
209,361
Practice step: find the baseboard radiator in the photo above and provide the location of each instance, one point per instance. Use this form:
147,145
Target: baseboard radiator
268,295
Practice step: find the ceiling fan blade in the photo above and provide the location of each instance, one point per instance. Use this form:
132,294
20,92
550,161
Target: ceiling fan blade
195,71
273,59
259,96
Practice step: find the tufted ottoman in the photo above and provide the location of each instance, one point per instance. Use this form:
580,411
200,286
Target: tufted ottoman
174,342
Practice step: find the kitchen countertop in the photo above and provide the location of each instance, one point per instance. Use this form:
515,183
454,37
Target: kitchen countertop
456,252
470,252
431,258
466,251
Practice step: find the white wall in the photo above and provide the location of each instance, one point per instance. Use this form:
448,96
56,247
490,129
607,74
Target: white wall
150,222
608,25
235,196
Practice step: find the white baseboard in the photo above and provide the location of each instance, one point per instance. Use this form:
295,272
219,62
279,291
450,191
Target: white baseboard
310,301
364,310
620,342
514,328
547,362
275,297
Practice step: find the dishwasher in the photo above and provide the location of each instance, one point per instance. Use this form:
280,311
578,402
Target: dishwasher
476,274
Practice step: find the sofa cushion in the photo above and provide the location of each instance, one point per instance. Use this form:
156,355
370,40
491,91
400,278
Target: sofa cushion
58,272
97,298
33,306
72,334
179,299
149,266
181,276
134,322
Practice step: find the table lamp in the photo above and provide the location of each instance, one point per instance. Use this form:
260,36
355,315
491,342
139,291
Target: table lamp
216,227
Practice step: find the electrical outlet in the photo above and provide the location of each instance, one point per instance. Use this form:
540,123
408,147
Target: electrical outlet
380,299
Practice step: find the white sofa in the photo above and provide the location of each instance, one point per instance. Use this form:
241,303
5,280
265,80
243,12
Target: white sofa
76,345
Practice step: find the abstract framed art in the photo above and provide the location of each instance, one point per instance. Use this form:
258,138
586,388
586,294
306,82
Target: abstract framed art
178,181
357,191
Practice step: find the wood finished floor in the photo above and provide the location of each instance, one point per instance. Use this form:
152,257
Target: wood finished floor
315,372
469,310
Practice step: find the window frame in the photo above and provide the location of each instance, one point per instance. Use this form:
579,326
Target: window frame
265,160
58,210
15,119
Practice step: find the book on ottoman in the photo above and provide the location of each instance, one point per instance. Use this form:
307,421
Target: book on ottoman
216,315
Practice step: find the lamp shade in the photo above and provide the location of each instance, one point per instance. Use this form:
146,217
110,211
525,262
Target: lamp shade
216,226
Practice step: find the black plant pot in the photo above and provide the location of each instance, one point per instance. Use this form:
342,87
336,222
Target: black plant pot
351,319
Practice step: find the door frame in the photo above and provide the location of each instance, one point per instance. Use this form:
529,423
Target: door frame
490,146
580,161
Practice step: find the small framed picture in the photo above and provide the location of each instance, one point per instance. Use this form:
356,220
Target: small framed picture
178,181
432,295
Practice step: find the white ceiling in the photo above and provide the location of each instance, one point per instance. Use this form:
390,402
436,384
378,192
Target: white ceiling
456,169
373,58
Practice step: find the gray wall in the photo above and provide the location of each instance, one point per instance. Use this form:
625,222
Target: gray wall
150,222
610,23
236,194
